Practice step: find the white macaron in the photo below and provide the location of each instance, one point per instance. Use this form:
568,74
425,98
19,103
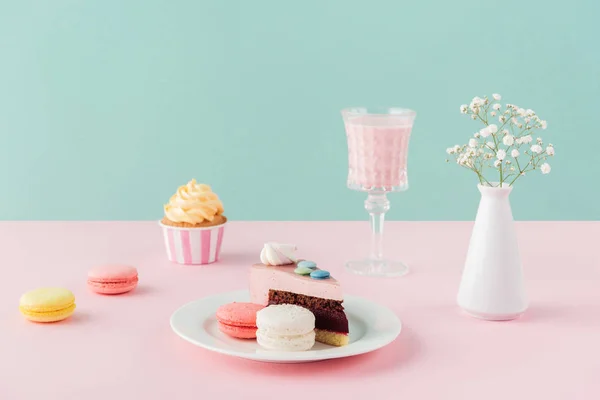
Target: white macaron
285,327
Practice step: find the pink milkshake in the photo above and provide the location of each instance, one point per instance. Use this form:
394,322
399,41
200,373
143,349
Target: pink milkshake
378,149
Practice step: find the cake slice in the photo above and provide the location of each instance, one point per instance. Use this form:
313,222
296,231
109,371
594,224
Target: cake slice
279,284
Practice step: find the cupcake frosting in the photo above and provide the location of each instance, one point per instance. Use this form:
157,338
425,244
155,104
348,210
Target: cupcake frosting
193,203
278,254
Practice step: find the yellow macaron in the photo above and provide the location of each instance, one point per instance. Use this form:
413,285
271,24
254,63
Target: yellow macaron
47,304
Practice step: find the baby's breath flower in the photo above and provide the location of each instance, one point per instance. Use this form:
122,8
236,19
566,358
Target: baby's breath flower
526,139
536,148
476,103
479,154
508,140
545,168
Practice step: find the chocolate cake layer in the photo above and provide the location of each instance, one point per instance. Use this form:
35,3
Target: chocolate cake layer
329,314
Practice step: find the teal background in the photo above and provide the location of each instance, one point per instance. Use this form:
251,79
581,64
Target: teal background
107,106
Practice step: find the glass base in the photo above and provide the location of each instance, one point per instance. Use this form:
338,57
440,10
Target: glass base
379,268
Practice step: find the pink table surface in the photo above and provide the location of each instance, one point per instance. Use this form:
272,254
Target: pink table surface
123,347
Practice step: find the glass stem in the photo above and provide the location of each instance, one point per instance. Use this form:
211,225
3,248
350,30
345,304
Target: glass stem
377,205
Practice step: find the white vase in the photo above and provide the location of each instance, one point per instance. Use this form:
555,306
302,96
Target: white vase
492,286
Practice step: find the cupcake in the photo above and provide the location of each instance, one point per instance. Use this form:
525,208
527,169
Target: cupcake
193,225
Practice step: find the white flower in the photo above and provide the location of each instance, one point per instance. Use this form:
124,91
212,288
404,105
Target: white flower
536,148
508,140
521,111
512,169
513,120
539,140
491,145
505,131
493,113
550,150
544,126
529,112
526,139
472,143
514,153
545,168
450,150
501,154
519,126
488,156
496,106
476,135
497,163
463,109
527,120
473,117
465,159
476,103
497,97
492,128
502,119
484,132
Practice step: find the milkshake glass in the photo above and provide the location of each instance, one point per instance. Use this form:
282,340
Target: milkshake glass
377,164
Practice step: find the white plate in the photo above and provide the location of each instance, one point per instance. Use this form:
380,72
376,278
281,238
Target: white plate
372,326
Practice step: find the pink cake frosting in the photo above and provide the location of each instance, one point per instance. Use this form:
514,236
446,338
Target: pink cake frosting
263,278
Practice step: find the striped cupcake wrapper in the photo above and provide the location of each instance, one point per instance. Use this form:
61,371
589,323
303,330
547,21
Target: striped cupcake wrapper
193,245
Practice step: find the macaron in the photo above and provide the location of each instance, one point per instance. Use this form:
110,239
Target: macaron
238,320
112,278
47,304
285,327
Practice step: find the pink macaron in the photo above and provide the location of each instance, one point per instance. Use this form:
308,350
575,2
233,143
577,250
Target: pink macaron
238,319
112,278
